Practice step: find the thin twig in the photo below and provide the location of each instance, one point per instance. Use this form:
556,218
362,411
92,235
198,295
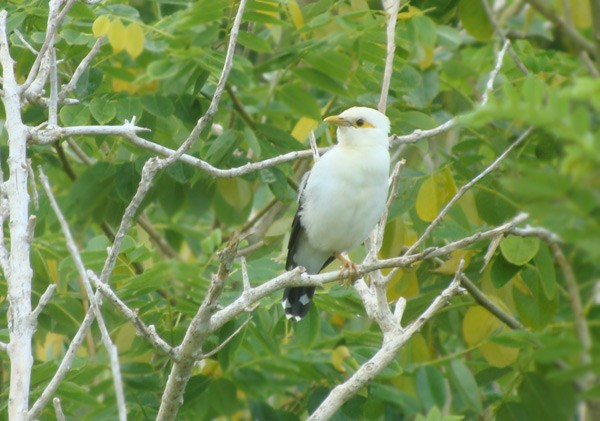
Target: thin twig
44,299
53,24
492,17
53,105
63,368
94,301
486,303
226,341
391,7
81,68
24,41
494,73
148,332
60,415
313,146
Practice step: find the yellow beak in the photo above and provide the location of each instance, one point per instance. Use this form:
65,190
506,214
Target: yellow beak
338,121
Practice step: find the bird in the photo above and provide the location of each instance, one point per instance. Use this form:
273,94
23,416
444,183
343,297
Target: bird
340,200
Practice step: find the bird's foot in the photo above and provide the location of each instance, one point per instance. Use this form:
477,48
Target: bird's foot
349,267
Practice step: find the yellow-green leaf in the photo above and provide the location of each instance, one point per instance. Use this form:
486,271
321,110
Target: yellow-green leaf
410,12
338,356
434,193
303,127
478,324
117,35
295,13
101,26
450,266
236,191
135,40
519,250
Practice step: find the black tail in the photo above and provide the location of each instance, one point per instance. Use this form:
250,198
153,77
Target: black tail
296,301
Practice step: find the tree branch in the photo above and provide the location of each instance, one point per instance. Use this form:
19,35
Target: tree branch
148,332
392,341
391,7
199,329
85,63
492,17
94,299
60,415
19,273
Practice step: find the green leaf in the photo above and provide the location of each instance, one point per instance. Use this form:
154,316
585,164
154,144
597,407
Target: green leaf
299,100
254,42
102,110
544,400
503,271
162,69
307,330
545,266
320,80
474,19
221,395
534,309
519,250
431,387
466,386
158,105
423,94
222,147
128,107
75,115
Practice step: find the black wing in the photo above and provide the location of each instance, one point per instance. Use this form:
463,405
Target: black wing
298,233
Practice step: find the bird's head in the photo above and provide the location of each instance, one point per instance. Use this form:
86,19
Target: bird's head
361,126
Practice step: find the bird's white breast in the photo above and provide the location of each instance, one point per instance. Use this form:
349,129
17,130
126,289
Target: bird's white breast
345,196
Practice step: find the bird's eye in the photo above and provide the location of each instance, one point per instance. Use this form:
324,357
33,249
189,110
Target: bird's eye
360,122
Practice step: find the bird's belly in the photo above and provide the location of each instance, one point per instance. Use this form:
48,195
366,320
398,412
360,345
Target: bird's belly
346,212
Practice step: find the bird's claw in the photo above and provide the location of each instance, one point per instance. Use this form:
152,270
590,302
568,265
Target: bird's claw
348,267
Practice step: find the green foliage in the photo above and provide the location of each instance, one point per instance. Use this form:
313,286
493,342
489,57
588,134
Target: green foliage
297,62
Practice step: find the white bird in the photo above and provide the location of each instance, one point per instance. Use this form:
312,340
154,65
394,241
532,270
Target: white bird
340,201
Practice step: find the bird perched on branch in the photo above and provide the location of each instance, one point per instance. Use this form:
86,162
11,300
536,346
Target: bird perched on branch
340,201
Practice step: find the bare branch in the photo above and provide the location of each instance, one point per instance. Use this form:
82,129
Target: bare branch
54,20
53,105
63,368
60,415
392,341
94,300
85,63
499,60
466,187
492,17
148,332
391,7
226,341
394,181
214,103
25,43
44,299
197,332
19,273
313,146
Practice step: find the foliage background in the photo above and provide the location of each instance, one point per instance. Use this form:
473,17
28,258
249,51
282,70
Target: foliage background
296,62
